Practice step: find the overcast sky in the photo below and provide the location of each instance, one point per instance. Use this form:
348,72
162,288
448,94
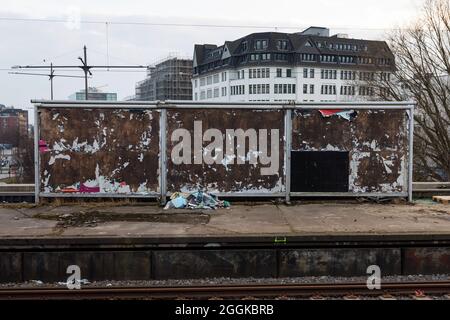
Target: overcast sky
36,42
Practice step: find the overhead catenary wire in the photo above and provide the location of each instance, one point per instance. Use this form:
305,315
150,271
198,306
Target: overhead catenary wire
50,76
85,67
196,25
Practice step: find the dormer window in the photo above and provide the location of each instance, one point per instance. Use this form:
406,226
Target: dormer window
260,44
244,46
282,44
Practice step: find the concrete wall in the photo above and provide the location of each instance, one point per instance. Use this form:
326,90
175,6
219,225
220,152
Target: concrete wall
147,264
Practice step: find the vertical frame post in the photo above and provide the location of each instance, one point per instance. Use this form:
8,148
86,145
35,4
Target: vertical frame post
287,152
163,155
37,173
410,152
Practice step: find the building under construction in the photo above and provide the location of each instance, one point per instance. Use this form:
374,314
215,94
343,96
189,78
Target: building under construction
169,79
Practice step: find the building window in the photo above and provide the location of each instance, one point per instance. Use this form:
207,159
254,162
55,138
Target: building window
196,83
216,78
202,82
196,96
311,73
328,74
224,76
328,58
279,73
209,80
244,46
260,44
224,91
281,56
242,73
202,95
305,88
305,73
366,91
209,94
308,57
216,92
347,90
288,73
265,56
275,88
328,89
366,76
282,44
311,89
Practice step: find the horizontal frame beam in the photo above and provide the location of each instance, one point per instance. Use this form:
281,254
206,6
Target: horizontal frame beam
349,194
376,105
245,194
97,195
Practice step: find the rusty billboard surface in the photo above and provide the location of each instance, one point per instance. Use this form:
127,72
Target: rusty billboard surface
228,169
104,151
376,142
154,149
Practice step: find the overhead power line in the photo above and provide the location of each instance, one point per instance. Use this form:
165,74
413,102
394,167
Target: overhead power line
172,24
50,76
84,66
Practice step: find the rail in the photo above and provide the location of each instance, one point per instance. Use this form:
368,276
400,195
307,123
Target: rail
230,291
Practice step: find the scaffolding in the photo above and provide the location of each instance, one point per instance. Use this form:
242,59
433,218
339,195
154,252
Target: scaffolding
169,79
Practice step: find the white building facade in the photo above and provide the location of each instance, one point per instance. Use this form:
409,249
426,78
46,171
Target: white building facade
306,66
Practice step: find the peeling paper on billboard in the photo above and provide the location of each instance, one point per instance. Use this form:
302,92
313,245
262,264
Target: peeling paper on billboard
99,151
345,114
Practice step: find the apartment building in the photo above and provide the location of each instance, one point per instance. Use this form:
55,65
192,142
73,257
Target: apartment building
305,66
13,125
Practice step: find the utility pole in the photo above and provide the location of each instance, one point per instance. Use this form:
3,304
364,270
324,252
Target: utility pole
84,66
87,71
50,76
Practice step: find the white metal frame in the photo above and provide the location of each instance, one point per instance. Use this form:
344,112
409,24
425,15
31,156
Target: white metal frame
408,106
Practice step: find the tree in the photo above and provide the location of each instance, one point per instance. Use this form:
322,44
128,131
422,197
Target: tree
422,53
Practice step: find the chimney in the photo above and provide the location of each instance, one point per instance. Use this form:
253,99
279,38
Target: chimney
341,35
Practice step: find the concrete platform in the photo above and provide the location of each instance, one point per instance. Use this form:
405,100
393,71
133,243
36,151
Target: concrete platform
264,240
327,218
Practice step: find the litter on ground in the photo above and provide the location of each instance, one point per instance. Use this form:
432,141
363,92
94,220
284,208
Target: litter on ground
195,200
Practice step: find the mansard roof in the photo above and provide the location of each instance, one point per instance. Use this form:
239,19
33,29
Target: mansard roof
296,43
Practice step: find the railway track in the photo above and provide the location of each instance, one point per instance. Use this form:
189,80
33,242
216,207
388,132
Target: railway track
418,289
